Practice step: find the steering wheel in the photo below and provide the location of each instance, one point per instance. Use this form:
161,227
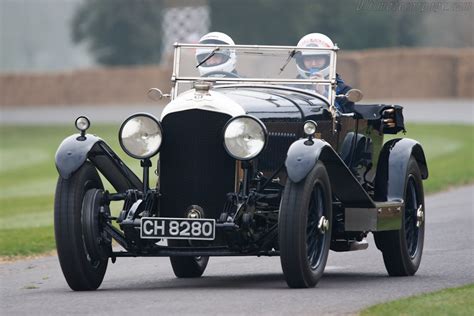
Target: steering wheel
221,74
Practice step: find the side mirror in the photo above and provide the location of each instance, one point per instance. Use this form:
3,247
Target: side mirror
354,95
156,94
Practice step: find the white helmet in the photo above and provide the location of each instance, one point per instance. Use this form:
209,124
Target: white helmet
229,58
314,40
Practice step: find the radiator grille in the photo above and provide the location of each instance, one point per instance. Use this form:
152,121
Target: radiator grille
194,166
274,154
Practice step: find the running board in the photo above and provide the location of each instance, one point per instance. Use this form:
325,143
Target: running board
384,216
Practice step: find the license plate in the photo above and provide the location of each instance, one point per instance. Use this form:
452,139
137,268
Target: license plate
177,228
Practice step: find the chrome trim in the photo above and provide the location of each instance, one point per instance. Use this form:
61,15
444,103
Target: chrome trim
323,225
420,216
216,79
214,101
261,47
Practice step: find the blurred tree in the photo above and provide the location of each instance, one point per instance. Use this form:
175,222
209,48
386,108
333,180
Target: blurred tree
124,32
284,22
120,32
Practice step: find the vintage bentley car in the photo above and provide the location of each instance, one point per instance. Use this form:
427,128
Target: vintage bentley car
250,163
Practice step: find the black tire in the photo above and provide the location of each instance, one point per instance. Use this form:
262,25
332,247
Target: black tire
402,249
187,267
81,272
303,247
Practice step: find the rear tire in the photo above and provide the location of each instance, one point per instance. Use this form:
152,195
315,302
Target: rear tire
82,272
304,242
402,249
187,267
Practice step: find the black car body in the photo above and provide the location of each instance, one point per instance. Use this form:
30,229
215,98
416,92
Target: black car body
307,180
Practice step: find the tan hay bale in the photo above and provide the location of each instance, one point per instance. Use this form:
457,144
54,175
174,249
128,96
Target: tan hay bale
91,86
408,73
379,73
348,66
465,74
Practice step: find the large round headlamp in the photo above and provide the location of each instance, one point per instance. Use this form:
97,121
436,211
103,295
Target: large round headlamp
140,136
245,137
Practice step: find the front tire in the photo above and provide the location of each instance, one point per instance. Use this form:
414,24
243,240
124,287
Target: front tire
402,249
187,267
305,225
81,270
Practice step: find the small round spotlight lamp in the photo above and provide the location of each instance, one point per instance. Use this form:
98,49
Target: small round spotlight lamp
82,124
309,128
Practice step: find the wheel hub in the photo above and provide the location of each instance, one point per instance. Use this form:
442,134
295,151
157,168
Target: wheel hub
420,216
323,225
194,211
94,218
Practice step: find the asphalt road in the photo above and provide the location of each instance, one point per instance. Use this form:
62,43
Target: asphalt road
248,285
447,111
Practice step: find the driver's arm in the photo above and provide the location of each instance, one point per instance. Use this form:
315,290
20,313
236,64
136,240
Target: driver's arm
341,103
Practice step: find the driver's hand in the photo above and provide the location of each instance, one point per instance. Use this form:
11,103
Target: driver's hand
319,88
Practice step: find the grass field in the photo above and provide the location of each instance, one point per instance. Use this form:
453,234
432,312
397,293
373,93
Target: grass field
28,181
28,175
457,301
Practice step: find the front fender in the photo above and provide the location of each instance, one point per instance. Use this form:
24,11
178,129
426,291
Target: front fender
302,157
72,153
392,167
75,150
304,154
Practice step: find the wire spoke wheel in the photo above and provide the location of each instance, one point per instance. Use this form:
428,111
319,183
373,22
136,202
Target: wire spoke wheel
411,219
315,234
402,249
305,228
